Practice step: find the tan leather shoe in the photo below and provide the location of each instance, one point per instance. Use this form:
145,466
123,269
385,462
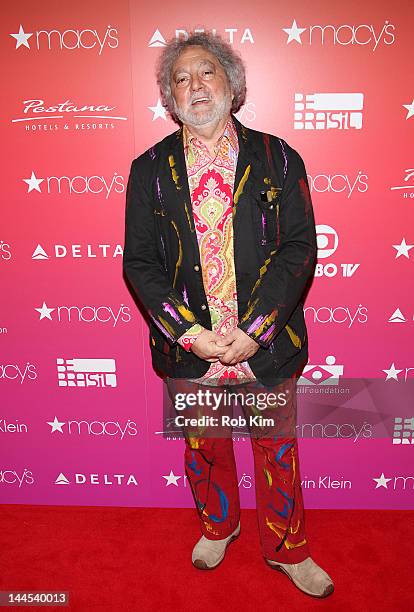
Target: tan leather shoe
307,576
207,554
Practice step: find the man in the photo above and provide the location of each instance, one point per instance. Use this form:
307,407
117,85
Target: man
219,247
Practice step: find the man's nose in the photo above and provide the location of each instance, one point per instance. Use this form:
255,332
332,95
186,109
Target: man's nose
196,82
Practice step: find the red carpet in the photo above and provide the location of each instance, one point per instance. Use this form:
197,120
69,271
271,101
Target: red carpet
129,559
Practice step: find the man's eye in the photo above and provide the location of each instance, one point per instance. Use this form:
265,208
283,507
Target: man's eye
181,80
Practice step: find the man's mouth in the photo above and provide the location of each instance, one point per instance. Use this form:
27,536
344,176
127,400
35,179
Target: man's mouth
200,101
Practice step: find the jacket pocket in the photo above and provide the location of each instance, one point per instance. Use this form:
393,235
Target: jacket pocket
266,220
269,226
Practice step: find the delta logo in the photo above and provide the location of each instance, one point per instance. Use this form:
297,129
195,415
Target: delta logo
97,479
231,35
75,251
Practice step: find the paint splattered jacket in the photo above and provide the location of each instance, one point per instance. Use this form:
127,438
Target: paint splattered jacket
274,253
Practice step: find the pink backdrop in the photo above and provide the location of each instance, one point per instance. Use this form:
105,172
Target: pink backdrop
80,102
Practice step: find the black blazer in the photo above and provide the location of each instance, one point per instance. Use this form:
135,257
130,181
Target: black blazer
273,260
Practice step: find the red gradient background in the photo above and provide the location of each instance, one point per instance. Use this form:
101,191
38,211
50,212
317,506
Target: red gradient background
368,223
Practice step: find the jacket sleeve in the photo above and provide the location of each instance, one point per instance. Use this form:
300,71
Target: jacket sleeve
142,265
283,276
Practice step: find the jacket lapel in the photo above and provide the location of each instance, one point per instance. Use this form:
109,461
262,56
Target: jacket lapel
249,172
179,191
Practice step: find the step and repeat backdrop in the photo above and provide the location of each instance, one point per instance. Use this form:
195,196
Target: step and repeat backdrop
81,408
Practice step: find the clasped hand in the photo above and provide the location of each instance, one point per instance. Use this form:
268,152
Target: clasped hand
234,347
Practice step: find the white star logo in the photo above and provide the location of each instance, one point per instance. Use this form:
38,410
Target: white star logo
410,108
158,110
294,33
171,479
44,312
392,372
56,425
33,183
22,38
382,481
402,249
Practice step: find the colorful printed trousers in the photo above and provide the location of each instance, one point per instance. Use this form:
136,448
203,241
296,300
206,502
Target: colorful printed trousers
211,469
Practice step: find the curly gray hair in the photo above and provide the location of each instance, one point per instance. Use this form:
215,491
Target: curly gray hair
230,60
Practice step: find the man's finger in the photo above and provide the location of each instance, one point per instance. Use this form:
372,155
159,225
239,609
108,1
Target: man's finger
236,359
225,341
217,350
227,357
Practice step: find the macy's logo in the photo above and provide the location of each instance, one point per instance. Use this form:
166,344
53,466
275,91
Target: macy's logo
66,39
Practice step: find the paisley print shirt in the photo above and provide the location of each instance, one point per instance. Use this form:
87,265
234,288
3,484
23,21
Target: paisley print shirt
211,182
